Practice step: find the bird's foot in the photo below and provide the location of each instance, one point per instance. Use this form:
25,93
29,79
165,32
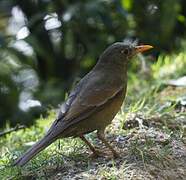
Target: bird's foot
112,155
100,153
97,153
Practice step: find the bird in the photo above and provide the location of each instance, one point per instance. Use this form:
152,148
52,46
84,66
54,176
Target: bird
93,103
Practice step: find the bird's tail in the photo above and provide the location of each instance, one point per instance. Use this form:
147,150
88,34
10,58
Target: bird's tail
35,149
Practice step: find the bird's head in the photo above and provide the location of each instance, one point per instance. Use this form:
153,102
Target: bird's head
120,53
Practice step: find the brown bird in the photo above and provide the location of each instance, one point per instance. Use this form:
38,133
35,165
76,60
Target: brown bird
94,101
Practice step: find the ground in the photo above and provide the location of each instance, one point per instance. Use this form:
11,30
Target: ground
149,133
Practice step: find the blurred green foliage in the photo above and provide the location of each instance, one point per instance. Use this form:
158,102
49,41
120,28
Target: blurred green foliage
45,45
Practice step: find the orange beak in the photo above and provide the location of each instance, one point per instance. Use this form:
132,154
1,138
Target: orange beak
143,48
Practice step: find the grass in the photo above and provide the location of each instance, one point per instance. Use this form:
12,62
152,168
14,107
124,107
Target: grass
145,150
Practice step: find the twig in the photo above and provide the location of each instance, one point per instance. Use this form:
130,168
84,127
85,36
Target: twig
16,128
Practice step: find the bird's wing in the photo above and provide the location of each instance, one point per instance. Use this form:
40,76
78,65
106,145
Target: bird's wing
86,99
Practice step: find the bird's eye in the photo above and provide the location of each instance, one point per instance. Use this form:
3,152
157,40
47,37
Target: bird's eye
125,51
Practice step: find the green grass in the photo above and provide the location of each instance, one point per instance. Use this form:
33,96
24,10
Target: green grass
147,96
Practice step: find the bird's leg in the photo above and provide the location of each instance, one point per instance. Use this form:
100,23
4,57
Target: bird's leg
96,152
101,136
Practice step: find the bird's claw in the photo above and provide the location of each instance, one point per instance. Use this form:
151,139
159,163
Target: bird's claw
98,153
